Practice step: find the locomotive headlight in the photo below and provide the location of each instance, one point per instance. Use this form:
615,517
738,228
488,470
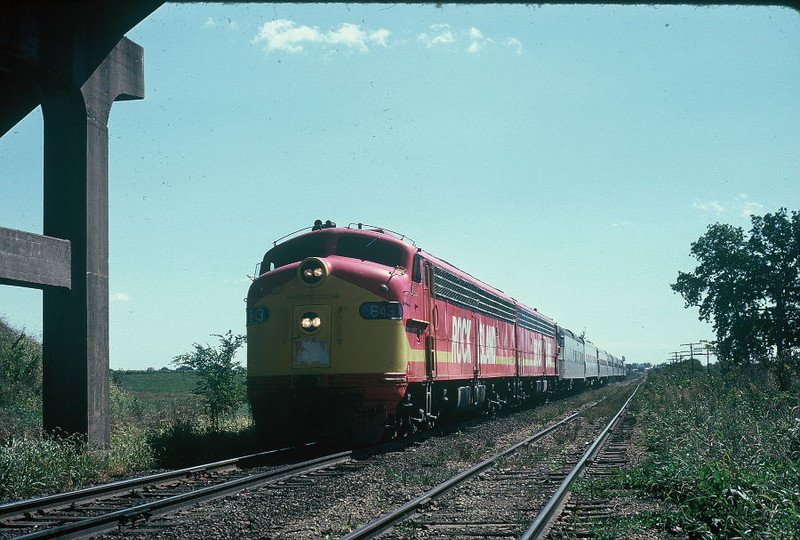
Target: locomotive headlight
310,322
312,271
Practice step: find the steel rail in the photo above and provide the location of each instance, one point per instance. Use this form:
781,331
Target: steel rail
381,524
98,524
549,512
18,509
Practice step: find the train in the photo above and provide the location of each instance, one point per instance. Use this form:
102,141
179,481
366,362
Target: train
356,334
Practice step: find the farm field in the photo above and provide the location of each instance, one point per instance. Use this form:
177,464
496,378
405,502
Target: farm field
156,385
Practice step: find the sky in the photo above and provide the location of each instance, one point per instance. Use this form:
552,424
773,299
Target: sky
567,155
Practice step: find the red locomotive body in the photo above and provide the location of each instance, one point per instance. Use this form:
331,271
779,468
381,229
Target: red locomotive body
357,334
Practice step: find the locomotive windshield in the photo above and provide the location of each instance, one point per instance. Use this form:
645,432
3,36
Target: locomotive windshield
370,249
365,248
294,251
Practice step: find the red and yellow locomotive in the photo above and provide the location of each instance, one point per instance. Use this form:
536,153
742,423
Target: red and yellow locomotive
355,334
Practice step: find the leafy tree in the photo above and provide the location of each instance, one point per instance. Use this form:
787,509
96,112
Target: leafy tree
220,375
775,244
20,368
748,287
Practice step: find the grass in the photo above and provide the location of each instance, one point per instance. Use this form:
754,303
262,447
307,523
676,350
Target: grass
640,525
436,467
191,441
156,423
156,385
724,450
144,436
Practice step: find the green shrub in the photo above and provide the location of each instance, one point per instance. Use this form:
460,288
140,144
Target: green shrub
221,379
20,383
185,442
157,423
725,449
32,464
30,467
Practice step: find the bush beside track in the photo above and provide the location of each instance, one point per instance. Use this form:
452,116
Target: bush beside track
156,422
720,458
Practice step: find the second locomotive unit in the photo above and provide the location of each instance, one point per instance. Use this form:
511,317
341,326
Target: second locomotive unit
356,334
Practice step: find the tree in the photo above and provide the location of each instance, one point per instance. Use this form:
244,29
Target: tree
775,244
20,368
220,375
748,287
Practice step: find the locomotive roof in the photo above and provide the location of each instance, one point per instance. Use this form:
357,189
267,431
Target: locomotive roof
331,228
407,245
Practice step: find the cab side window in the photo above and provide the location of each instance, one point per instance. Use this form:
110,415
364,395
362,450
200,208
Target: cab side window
416,272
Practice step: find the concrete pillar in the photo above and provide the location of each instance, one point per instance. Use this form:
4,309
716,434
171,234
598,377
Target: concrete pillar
75,322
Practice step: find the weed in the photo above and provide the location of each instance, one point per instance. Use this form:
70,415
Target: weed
30,467
633,526
723,448
154,421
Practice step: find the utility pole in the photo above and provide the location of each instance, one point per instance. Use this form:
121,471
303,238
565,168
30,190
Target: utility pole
695,347
676,358
691,356
708,347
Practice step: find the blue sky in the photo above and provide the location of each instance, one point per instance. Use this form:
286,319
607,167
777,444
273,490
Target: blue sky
567,155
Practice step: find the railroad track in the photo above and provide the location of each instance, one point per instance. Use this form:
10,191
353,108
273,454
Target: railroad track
107,507
548,515
517,487
135,503
585,512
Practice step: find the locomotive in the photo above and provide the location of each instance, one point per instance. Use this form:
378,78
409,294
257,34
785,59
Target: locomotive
356,334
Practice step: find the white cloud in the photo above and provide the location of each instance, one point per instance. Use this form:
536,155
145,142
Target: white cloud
120,297
380,37
227,23
477,41
749,208
739,205
474,38
515,44
436,35
711,206
286,35
351,35
746,207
